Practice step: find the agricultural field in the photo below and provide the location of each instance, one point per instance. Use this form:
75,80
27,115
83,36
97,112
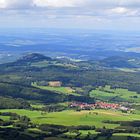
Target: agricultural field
126,134
61,90
70,118
118,95
74,118
86,132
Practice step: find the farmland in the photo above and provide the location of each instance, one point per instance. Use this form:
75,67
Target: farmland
118,94
61,90
96,119
73,118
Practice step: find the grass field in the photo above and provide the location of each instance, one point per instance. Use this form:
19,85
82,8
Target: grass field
5,118
107,94
93,132
61,90
126,134
69,117
83,133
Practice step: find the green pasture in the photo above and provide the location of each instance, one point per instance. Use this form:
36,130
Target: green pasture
5,118
83,132
120,136
73,118
127,134
119,94
62,90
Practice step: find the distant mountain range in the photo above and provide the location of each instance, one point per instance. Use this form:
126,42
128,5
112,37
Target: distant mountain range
79,44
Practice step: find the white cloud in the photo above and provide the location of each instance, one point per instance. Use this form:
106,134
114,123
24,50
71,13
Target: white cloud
123,11
56,3
91,11
69,3
16,4
2,4
39,3
120,10
74,7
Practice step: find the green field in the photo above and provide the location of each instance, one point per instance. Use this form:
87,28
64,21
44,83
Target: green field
126,134
61,90
70,117
93,132
5,118
83,132
119,94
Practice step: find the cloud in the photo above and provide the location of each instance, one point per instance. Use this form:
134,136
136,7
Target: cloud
123,11
56,3
129,3
16,4
67,12
89,4
23,4
74,7
120,10
2,4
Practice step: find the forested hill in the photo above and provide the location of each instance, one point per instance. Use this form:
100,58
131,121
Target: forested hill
16,78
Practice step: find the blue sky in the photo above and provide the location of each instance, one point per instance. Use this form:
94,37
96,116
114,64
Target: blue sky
92,14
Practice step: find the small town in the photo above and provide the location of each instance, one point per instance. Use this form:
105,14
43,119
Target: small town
99,105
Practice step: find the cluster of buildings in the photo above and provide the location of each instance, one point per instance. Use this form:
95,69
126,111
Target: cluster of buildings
55,84
98,105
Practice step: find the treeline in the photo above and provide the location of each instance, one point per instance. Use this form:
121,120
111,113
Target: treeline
32,93
18,128
10,103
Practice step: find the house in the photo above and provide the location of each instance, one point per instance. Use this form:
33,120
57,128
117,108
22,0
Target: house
55,84
99,105
124,108
83,106
104,105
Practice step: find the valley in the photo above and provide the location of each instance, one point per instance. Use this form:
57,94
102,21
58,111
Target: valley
49,98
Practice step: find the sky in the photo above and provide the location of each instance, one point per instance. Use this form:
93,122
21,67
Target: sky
91,14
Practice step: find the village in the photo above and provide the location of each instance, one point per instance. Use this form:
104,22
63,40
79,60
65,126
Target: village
124,107
99,105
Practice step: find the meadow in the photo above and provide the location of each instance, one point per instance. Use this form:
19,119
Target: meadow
74,118
121,136
61,90
118,94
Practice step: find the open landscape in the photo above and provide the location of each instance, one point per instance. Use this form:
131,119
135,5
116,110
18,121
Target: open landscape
54,102
69,69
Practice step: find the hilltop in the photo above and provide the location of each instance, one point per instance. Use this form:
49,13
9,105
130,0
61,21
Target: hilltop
83,74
